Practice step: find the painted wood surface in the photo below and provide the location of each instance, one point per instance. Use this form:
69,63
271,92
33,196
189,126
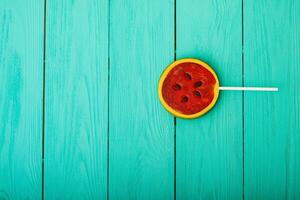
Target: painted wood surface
141,133
272,120
209,149
106,136
76,99
21,84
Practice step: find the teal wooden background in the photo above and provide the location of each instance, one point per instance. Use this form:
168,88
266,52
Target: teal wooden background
80,116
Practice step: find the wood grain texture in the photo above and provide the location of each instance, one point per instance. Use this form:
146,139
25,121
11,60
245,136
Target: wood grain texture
209,149
21,78
76,99
272,120
141,131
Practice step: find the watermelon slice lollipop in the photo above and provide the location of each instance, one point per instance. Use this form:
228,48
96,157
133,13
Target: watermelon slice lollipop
189,88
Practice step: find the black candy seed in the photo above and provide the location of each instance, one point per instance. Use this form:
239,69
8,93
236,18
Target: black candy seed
197,93
187,76
184,99
198,84
177,87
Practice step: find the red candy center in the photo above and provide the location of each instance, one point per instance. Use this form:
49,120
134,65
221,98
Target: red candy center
189,88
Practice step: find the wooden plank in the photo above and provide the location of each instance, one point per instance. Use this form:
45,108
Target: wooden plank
209,149
272,120
141,131
76,99
21,86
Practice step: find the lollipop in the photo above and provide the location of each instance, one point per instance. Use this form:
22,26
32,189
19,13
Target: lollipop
189,88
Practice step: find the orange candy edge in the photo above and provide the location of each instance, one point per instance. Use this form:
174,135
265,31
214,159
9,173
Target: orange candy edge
173,111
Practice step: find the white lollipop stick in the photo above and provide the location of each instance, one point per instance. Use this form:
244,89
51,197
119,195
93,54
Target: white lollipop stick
267,89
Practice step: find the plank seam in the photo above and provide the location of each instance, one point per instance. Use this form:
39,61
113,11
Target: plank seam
108,90
175,38
243,104
44,99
